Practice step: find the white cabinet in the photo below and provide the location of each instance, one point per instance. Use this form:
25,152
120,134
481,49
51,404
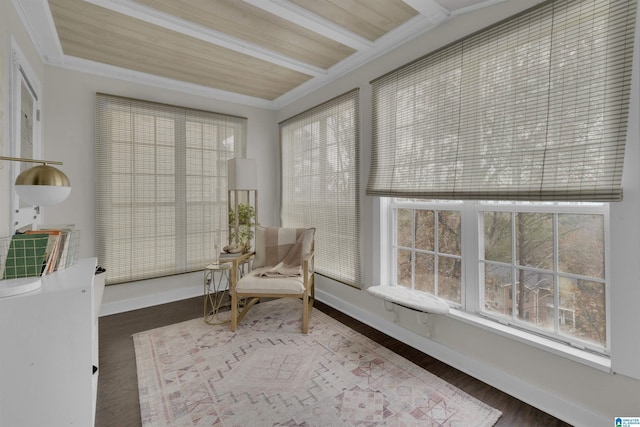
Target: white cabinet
48,350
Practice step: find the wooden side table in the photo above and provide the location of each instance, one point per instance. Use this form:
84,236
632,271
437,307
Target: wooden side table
213,299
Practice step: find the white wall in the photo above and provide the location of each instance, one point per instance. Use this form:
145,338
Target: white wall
584,394
10,25
69,115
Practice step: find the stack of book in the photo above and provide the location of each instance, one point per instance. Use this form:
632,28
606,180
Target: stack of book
225,256
40,252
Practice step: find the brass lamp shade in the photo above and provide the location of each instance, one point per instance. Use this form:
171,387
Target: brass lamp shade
43,185
43,175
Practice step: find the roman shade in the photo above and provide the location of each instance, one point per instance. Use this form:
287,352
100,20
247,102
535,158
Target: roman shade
320,183
533,108
161,186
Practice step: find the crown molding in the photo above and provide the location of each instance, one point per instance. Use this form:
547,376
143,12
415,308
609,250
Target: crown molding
110,71
38,22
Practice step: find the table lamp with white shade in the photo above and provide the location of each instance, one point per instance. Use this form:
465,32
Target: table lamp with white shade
242,187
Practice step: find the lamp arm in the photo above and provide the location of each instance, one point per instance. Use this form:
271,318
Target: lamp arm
22,159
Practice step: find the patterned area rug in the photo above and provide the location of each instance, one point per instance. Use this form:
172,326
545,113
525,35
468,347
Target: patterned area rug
268,373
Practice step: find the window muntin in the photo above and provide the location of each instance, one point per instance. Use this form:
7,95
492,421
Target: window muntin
557,251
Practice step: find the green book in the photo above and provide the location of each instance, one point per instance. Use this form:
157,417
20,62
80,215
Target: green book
26,256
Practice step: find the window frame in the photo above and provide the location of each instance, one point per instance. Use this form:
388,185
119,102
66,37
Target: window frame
22,76
471,285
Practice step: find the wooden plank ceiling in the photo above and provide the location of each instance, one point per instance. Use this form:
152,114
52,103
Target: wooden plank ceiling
256,48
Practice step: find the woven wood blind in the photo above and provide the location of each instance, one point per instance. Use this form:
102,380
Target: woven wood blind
532,108
161,191
320,183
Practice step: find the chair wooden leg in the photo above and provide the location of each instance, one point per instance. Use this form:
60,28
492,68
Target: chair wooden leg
305,313
234,311
248,303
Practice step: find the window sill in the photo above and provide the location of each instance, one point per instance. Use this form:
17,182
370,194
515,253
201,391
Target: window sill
596,361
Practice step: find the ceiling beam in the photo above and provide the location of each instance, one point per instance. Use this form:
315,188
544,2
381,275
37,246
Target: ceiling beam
200,32
413,28
312,22
430,9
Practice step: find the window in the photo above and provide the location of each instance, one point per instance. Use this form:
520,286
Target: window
552,263
531,112
539,267
428,250
162,186
320,183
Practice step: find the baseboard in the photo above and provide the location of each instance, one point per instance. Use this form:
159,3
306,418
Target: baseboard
532,395
149,300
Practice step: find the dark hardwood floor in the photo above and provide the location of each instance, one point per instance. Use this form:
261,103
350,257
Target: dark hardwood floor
118,404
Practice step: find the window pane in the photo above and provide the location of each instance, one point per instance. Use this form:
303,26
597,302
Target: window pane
581,244
583,311
449,232
165,131
497,236
425,277
194,135
424,229
450,279
534,240
144,158
497,289
535,298
166,189
404,268
404,230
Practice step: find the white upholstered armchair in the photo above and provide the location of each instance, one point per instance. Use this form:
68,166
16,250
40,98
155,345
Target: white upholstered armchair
282,267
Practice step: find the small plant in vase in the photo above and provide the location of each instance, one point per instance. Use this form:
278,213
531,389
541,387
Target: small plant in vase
246,222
